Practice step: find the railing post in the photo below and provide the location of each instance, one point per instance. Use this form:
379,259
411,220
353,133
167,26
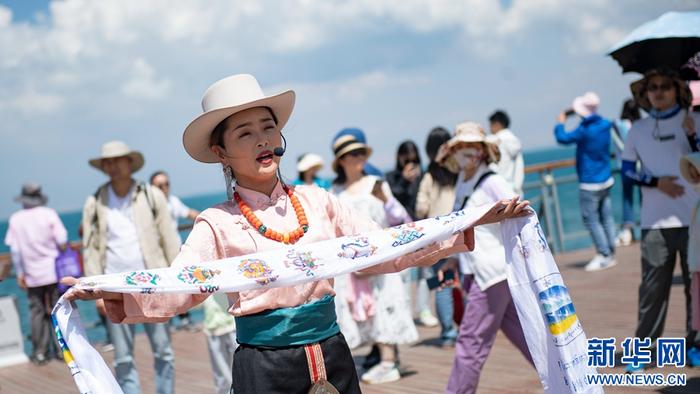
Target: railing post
557,211
544,189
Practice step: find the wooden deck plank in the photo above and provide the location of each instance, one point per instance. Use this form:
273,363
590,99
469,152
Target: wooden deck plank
606,303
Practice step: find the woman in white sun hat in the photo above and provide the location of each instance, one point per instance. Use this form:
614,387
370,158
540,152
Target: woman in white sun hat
308,165
490,307
280,345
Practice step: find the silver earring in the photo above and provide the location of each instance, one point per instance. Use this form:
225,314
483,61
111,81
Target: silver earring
227,172
228,177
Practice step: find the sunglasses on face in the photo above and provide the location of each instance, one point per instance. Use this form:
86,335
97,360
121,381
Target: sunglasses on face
356,153
665,87
162,185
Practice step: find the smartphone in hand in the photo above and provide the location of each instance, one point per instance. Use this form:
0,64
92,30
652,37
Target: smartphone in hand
434,283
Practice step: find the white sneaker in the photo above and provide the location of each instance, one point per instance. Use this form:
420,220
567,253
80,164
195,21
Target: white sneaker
427,319
600,262
624,238
384,372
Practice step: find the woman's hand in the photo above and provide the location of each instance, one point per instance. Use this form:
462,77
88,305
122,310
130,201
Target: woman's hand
410,172
20,282
87,294
689,125
506,209
450,265
378,192
669,186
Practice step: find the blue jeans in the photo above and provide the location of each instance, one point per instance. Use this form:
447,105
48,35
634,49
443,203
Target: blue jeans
444,306
127,374
596,209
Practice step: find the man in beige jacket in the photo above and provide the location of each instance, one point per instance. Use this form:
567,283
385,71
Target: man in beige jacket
127,227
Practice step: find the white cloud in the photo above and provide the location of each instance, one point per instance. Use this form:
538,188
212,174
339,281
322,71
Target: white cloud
80,60
5,16
142,82
31,102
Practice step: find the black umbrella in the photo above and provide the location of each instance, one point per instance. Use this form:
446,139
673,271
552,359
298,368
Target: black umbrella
668,41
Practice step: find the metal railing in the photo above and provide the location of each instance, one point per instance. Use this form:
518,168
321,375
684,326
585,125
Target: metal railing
548,198
550,204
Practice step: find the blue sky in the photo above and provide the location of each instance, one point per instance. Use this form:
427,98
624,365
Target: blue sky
77,73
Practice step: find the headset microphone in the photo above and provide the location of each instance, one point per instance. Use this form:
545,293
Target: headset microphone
279,151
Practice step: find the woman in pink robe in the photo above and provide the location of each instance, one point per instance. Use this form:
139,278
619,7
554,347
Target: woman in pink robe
289,338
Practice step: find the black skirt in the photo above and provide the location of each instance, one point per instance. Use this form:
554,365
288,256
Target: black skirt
285,370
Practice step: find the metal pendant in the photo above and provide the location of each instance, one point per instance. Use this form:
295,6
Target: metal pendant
323,387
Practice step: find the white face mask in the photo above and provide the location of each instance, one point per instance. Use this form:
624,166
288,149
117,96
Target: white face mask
468,158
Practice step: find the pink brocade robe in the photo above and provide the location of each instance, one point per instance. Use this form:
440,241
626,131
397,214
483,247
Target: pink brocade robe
222,231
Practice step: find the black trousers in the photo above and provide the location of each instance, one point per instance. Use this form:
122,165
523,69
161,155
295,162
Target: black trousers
41,301
285,370
660,247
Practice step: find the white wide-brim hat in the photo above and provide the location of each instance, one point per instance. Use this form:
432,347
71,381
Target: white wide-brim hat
114,149
687,161
586,105
309,161
224,98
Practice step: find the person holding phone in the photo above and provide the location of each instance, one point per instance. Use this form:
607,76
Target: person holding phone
592,139
490,307
372,308
436,196
289,340
404,181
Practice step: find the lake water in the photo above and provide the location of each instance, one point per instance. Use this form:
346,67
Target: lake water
568,195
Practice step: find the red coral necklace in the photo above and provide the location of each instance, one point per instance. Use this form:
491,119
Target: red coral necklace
288,237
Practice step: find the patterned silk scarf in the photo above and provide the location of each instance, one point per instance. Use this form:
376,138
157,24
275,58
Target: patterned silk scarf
288,266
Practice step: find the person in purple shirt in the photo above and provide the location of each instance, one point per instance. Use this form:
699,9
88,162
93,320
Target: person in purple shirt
34,234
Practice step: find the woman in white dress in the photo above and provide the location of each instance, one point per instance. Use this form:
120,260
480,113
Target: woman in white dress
371,308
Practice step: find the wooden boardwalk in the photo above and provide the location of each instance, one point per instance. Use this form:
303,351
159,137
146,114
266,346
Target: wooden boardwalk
606,303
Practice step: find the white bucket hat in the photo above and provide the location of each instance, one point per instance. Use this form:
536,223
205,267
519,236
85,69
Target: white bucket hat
309,161
224,98
586,105
118,149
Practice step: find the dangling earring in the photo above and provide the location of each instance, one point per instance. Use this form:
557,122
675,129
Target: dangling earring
228,177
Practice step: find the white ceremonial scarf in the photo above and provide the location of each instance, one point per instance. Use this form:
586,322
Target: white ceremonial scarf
553,332
289,266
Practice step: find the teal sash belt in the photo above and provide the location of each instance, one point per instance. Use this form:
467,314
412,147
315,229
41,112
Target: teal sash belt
300,325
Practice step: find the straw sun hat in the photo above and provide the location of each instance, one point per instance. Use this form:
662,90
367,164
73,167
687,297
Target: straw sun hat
224,98
467,132
346,143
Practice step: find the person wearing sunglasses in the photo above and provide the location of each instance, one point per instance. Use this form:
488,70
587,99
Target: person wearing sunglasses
376,308
490,308
288,337
658,142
